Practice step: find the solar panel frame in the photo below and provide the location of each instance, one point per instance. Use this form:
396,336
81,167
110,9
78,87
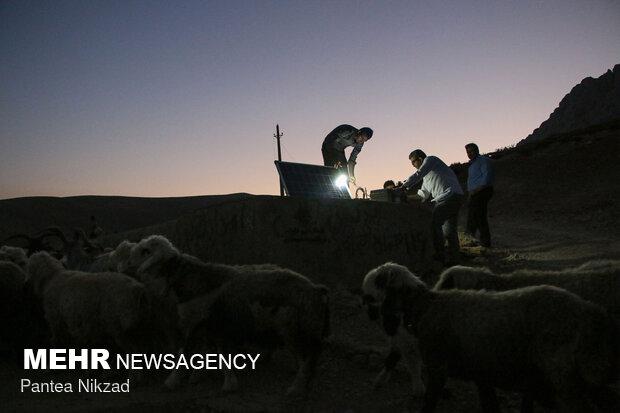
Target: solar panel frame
310,181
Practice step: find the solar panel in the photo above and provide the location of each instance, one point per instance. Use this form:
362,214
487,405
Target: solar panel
311,181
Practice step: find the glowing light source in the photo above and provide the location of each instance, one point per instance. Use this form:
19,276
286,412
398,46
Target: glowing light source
342,181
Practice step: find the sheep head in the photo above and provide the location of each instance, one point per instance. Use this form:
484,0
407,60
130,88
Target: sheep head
148,253
463,278
41,268
388,290
92,249
15,255
121,254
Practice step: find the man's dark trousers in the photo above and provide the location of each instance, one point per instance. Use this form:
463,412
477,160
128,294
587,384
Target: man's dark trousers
477,215
445,227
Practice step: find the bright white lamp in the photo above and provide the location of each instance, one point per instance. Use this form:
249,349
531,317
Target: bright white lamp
342,181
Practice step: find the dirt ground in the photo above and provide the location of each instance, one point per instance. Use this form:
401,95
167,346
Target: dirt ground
353,355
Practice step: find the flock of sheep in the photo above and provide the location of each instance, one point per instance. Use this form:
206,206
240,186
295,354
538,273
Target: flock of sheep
553,336
148,297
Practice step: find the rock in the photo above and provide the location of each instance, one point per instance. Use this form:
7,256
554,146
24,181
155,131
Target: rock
591,102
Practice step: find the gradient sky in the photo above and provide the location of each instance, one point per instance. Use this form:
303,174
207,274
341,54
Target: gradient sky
174,98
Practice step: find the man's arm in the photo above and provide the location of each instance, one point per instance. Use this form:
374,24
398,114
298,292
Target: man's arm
356,150
423,194
353,159
425,168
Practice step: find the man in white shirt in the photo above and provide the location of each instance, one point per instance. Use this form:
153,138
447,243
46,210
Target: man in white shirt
440,184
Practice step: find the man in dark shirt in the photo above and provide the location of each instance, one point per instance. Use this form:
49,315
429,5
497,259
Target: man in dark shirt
340,138
480,177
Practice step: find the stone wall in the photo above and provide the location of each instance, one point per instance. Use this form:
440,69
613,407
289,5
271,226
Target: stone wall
332,241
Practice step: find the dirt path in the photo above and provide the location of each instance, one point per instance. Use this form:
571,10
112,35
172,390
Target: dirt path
542,245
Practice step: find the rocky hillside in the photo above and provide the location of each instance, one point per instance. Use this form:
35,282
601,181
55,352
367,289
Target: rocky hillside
591,102
567,180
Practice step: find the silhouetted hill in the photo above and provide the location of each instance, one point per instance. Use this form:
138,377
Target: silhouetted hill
591,102
112,213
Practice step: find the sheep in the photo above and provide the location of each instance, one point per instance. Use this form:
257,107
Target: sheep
267,308
193,311
79,253
543,341
15,255
112,260
238,305
157,262
21,318
111,309
595,281
12,279
399,344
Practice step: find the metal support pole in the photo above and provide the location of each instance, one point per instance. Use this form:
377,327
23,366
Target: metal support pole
278,135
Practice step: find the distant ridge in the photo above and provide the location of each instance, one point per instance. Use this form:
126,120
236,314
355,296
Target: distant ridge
591,102
112,213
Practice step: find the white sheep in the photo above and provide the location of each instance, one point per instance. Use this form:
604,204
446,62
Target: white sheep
595,281
239,305
111,309
160,264
15,255
113,260
543,341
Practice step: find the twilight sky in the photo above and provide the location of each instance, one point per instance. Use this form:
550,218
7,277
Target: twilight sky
174,98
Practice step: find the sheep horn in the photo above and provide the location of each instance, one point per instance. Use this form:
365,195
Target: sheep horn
19,236
53,232
34,243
